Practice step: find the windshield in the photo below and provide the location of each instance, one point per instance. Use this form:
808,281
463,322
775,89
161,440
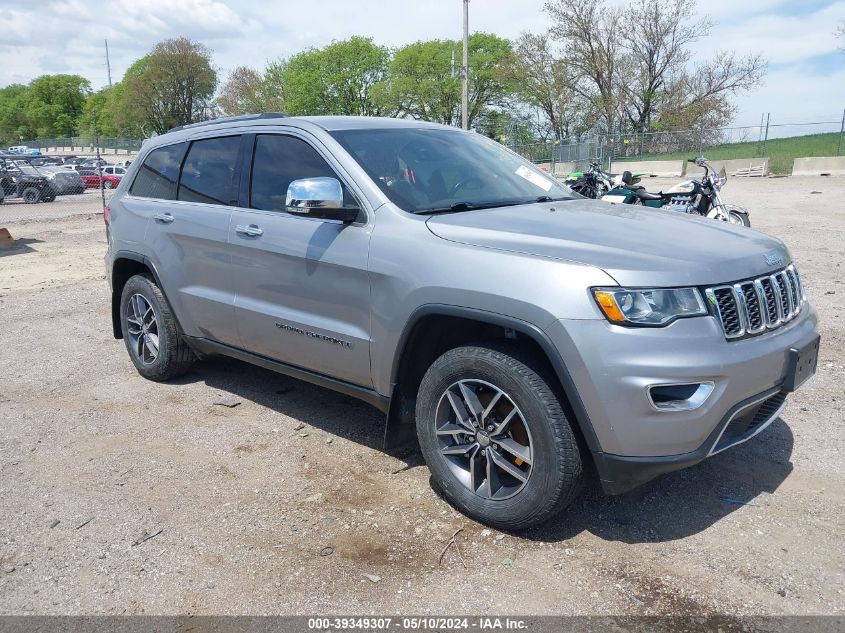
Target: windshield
427,170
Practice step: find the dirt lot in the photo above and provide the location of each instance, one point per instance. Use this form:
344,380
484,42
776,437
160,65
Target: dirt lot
280,504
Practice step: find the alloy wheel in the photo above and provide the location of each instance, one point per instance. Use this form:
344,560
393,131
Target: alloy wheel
142,329
484,439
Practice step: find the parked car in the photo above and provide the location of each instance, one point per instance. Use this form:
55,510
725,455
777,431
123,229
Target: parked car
64,181
114,170
18,179
515,329
92,179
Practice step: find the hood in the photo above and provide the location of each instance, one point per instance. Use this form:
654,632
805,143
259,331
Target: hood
637,246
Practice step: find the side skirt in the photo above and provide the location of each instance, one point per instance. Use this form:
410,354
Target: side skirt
205,347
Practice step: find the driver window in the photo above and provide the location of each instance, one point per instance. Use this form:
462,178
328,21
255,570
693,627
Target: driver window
277,161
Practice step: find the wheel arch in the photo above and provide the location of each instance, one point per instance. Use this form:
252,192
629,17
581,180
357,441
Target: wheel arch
126,264
422,341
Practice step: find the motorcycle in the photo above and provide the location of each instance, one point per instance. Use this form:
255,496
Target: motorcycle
696,197
593,183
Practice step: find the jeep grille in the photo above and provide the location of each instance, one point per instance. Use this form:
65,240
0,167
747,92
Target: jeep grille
749,308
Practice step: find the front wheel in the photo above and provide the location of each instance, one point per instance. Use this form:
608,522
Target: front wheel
739,218
495,436
107,184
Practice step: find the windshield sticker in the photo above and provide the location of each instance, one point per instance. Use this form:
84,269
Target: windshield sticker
533,177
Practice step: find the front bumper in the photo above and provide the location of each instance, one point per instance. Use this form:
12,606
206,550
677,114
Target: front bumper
612,367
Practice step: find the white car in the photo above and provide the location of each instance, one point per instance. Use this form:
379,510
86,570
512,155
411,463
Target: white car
114,170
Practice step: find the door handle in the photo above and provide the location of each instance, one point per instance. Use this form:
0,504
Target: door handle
164,218
250,231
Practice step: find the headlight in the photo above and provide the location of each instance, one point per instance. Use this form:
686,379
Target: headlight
653,306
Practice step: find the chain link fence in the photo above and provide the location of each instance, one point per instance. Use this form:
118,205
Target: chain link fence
781,143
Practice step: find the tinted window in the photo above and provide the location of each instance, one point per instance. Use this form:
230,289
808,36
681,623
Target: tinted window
208,172
159,173
278,161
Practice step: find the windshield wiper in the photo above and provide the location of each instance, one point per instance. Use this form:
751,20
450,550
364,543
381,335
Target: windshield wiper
469,206
549,199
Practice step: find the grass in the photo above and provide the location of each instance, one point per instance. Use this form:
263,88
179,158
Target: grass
781,151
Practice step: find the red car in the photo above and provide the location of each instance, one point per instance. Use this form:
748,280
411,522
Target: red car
92,179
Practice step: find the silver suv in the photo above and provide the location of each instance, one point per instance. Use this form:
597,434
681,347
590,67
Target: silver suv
515,329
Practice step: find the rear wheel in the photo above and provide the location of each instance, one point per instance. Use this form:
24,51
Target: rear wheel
495,436
107,184
150,332
31,195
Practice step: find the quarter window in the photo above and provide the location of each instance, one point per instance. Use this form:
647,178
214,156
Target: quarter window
159,173
208,174
279,160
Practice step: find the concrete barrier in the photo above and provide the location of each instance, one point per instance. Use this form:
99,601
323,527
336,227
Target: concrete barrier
818,165
733,167
666,168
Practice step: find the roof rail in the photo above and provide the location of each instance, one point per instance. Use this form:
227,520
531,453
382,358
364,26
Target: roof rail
229,119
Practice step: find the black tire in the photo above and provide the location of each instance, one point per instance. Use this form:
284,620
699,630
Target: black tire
107,184
174,357
740,217
555,470
30,195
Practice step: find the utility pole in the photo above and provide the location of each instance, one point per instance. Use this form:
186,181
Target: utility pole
108,63
97,147
465,73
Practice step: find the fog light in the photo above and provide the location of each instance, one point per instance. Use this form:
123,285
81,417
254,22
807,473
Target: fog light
679,397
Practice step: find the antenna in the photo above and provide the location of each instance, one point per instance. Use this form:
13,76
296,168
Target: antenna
108,63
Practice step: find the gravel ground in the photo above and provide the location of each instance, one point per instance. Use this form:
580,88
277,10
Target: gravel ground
120,495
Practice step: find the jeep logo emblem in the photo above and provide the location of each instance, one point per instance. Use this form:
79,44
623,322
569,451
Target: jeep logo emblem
774,259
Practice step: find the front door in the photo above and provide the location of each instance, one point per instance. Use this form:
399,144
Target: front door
302,292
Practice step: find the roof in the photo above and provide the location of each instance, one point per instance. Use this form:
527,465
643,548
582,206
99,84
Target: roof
334,123
328,123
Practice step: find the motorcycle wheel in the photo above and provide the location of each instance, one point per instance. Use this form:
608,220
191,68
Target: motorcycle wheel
739,218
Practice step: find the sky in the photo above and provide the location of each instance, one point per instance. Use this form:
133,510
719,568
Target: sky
805,79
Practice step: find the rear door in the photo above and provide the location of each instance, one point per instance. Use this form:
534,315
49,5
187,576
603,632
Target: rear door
188,227
302,292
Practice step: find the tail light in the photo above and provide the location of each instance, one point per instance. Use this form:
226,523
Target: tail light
106,215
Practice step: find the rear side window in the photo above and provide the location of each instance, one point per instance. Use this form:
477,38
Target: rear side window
159,173
208,174
278,161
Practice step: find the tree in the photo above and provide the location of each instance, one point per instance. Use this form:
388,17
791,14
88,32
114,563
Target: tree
542,80
424,82
13,122
247,91
656,37
54,104
171,86
638,70
589,32
339,79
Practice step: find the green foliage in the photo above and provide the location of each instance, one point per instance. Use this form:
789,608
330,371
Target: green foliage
338,79
171,86
424,78
49,106
13,121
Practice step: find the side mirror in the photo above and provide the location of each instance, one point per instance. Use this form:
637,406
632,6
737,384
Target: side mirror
320,198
